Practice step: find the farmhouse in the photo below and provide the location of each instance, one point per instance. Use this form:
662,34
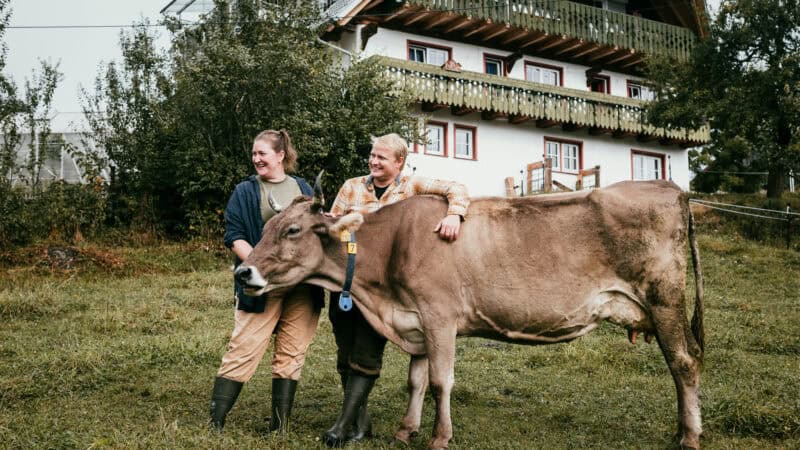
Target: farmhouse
506,88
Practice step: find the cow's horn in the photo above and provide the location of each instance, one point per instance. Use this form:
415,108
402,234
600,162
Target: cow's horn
274,203
319,197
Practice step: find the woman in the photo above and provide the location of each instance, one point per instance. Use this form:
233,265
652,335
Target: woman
295,313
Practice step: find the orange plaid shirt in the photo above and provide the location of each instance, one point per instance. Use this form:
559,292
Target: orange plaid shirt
358,194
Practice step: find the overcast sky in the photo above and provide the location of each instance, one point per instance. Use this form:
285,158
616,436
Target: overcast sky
80,52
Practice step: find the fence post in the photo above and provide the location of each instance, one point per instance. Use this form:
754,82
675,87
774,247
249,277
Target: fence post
788,227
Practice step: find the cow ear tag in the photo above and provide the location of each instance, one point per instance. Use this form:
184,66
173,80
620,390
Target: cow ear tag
345,236
345,301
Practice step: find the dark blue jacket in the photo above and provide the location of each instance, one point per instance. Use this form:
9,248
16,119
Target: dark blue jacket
243,221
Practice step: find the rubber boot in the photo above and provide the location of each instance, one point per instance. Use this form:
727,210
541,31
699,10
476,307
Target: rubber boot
283,391
356,392
362,428
222,399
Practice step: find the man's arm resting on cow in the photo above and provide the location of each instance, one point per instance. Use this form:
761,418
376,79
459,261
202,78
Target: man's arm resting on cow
457,199
242,248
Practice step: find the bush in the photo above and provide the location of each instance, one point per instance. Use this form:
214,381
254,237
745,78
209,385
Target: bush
61,212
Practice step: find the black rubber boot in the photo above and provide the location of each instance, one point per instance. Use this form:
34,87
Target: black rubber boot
362,428
356,392
222,399
282,398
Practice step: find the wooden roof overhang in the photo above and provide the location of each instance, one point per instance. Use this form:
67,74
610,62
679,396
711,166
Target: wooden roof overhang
521,101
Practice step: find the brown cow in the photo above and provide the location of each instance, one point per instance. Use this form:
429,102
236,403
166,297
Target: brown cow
535,270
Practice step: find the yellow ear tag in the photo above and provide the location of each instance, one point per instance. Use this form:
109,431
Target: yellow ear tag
345,236
352,248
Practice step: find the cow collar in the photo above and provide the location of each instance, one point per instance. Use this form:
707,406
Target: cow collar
345,301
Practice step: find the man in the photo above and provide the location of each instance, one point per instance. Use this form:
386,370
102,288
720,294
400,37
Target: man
360,348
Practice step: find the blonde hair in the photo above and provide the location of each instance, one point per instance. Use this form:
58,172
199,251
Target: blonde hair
280,142
393,142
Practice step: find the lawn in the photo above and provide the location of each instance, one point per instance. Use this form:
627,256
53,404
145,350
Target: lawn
121,350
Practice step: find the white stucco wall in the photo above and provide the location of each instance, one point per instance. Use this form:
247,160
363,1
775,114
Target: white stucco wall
503,149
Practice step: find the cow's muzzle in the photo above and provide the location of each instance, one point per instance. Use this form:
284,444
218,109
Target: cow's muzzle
250,279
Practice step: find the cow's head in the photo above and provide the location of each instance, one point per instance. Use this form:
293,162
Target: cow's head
292,246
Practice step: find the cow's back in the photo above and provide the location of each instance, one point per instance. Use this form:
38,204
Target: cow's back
522,264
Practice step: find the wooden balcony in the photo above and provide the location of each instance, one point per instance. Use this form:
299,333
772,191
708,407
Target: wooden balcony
554,28
520,101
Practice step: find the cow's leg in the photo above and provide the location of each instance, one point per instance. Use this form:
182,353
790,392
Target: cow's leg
683,357
417,385
441,366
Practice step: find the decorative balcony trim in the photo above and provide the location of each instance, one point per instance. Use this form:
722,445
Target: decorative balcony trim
480,92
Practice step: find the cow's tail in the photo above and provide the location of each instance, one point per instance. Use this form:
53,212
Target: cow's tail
697,319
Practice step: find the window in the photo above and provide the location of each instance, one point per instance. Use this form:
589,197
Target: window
428,54
636,90
493,65
436,139
600,83
647,166
465,142
540,73
565,155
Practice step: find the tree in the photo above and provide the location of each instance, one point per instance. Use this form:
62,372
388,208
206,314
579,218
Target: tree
247,66
744,80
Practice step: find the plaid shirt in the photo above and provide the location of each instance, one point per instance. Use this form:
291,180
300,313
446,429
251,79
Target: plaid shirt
358,194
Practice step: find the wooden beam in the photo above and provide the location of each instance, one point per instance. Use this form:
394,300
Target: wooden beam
514,36
503,28
603,54
558,41
633,61
595,131
534,41
442,18
458,24
572,127
619,134
544,123
417,17
561,186
477,29
431,107
511,59
589,49
461,110
567,48
403,10
516,119
620,58
491,115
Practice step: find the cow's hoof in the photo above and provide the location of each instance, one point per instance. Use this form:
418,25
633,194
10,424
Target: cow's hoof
404,435
438,444
334,440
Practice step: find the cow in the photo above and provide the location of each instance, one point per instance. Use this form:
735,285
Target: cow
533,270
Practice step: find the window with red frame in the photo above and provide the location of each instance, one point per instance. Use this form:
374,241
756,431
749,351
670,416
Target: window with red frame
465,142
436,139
566,156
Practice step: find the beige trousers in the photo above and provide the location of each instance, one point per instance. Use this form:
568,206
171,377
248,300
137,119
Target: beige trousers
296,317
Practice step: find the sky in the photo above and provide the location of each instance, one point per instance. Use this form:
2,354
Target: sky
80,52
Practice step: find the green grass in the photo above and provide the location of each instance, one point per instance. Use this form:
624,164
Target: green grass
121,352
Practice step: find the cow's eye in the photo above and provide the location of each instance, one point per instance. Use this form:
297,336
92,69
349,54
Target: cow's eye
292,230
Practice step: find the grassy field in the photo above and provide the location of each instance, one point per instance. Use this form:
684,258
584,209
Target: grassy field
120,351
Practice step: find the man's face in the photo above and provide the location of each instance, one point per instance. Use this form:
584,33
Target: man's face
383,165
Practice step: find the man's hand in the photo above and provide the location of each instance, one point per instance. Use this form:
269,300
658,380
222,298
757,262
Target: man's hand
448,227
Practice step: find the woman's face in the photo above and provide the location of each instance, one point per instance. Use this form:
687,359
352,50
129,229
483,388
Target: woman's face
268,164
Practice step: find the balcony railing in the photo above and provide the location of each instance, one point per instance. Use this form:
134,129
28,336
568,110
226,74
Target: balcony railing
472,90
561,17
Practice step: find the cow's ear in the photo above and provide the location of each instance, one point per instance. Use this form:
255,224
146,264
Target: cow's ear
350,222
